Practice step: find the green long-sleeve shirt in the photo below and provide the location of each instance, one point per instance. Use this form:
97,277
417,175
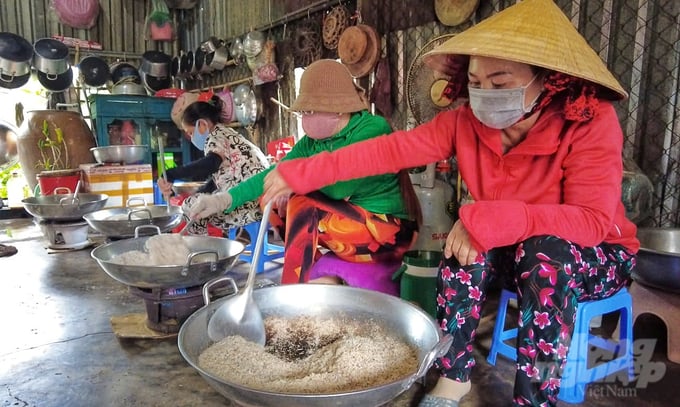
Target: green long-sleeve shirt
378,194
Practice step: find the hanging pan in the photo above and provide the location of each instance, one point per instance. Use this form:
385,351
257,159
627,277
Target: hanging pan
94,71
56,83
16,55
50,57
156,63
186,63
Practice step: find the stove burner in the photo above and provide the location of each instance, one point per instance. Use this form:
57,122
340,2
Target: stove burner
168,308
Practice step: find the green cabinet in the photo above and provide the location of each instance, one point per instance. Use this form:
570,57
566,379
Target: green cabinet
133,119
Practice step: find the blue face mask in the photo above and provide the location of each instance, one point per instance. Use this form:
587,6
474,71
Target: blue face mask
198,139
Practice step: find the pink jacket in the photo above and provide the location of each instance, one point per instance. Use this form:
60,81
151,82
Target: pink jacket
563,179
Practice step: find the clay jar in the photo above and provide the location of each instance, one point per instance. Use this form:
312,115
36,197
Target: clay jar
78,139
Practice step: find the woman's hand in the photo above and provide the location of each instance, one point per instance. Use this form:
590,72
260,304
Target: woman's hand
275,187
458,244
165,187
209,204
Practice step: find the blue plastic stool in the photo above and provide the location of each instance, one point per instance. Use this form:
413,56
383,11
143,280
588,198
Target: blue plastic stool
576,372
269,251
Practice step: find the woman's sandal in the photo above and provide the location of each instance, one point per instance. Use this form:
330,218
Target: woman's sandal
435,401
6,250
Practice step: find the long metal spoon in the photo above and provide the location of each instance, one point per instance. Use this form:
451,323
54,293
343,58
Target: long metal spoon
240,315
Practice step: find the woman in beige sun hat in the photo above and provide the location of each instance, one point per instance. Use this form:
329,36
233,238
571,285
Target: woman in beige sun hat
539,146
369,223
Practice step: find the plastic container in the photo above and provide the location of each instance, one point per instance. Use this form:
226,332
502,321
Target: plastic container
15,190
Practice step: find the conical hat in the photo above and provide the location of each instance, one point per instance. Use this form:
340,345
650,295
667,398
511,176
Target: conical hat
534,32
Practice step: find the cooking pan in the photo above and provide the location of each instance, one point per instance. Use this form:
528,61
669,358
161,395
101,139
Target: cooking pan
156,63
658,260
124,70
248,112
174,66
94,70
64,206
401,318
186,64
50,57
153,84
223,253
122,222
56,83
16,54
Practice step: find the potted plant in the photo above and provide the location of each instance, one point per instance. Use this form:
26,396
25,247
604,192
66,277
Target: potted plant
54,165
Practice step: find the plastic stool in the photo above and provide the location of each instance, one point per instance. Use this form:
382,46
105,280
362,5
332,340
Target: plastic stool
269,251
576,373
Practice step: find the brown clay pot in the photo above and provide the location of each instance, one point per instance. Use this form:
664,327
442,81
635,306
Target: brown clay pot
77,136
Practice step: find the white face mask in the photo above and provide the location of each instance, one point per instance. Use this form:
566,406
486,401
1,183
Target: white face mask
500,108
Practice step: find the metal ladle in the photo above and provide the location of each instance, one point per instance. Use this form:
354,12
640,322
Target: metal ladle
240,315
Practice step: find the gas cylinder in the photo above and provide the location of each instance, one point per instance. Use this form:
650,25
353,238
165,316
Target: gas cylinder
435,196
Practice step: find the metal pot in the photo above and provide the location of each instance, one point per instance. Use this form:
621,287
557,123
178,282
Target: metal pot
186,64
64,206
156,63
16,54
403,319
658,261
187,187
122,222
120,154
94,71
222,252
50,57
56,83
211,44
201,62
154,84
248,112
220,58
124,70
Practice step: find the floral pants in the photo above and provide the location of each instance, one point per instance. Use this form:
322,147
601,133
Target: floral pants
551,276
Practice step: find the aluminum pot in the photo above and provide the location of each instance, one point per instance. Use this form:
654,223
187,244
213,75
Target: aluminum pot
400,317
50,57
16,55
156,63
658,261
64,206
56,83
122,222
94,71
223,253
60,235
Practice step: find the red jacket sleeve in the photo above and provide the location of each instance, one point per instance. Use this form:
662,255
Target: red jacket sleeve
425,144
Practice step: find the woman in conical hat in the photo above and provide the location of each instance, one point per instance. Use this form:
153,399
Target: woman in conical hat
539,146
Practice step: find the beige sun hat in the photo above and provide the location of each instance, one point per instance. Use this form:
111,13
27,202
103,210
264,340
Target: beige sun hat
327,86
454,12
534,32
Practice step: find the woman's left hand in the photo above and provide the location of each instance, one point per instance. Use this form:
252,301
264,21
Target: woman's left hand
275,187
458,244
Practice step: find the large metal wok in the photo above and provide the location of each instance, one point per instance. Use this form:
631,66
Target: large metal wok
64,206
221,254
658,261
122,222
402,318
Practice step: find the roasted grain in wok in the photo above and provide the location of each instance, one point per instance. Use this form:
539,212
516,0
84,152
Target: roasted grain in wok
312,356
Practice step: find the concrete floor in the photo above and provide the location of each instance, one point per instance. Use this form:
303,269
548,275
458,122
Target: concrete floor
58,348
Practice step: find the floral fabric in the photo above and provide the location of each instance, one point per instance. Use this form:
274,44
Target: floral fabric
551,276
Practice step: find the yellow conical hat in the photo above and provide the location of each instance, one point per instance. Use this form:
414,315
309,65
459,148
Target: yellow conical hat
534,32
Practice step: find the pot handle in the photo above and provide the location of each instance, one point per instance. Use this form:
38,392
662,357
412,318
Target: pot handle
437,351
192,256
135,198
2,77
207,286
140,227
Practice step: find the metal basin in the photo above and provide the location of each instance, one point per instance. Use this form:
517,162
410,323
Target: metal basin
64,206
124,154
400,317
122,222
658,261
186,187
224,254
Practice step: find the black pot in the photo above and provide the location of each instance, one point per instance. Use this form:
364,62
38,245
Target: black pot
174,66
13,82
94,70
50,56
155,84
156,63
124,70
56,83
16,55
186,63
